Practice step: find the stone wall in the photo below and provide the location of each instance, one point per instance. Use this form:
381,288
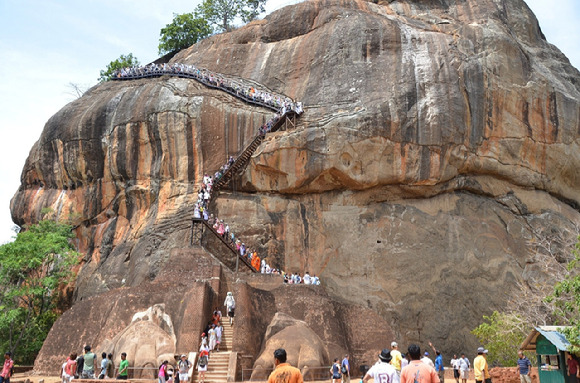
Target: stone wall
183,302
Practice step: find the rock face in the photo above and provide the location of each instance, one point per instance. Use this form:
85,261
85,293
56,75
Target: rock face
439,138
304,346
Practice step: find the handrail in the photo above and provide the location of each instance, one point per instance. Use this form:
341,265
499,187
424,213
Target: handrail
282,105
244,260
233,168
279,102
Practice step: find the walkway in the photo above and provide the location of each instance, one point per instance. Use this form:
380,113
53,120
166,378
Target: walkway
286,110
219,361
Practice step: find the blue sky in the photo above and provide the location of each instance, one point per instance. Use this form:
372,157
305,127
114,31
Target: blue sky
47,44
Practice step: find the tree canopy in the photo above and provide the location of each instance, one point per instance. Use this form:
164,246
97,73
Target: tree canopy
123,61
32,269
566,297
185,30
209,17
222,13
503,332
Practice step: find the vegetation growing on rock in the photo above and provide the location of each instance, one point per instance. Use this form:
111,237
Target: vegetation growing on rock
33,269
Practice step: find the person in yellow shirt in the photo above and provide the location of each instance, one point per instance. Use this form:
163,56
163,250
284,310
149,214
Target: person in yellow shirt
480,368
397,358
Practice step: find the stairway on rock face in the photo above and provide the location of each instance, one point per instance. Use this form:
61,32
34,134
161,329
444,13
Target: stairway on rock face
218,364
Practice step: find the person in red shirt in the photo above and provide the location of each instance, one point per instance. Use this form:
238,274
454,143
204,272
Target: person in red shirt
7,368
573,371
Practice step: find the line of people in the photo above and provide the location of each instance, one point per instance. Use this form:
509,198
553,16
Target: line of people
247,92
85,366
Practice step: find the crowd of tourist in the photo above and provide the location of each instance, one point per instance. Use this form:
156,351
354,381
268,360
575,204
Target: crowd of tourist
247,92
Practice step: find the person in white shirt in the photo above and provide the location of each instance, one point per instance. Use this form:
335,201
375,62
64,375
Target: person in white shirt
455,364
383,371
425,359
464,368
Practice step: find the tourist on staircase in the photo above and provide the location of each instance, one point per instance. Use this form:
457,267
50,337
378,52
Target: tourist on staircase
203,341
219,330
230,304
202,363
184,365
212,337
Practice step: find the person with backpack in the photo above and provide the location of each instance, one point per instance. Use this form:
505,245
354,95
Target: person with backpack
230,304
335,371
202,363
184,365
8,368
110,366
345,369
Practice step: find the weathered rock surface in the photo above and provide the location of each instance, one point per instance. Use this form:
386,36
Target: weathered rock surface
304,346
150,322
438,138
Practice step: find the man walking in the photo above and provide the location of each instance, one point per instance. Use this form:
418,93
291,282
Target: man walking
524,365
455,364
345,370
382,371
123,367
464,368
417,371
284,372
480,369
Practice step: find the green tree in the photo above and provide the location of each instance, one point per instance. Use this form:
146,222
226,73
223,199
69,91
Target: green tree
32,270
566,297
185,30
502,334
222,13
123,61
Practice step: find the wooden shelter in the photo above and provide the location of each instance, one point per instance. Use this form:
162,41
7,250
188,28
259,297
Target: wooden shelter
551,347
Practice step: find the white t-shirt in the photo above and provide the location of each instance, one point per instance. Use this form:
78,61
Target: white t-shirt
455,364
428,361
463,365
383,372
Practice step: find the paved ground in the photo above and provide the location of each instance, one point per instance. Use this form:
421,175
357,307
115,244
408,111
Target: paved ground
55,379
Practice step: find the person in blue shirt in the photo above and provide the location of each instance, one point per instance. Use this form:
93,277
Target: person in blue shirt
345,369
439,363
524,365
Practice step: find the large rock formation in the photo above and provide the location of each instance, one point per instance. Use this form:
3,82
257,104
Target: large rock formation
439,138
